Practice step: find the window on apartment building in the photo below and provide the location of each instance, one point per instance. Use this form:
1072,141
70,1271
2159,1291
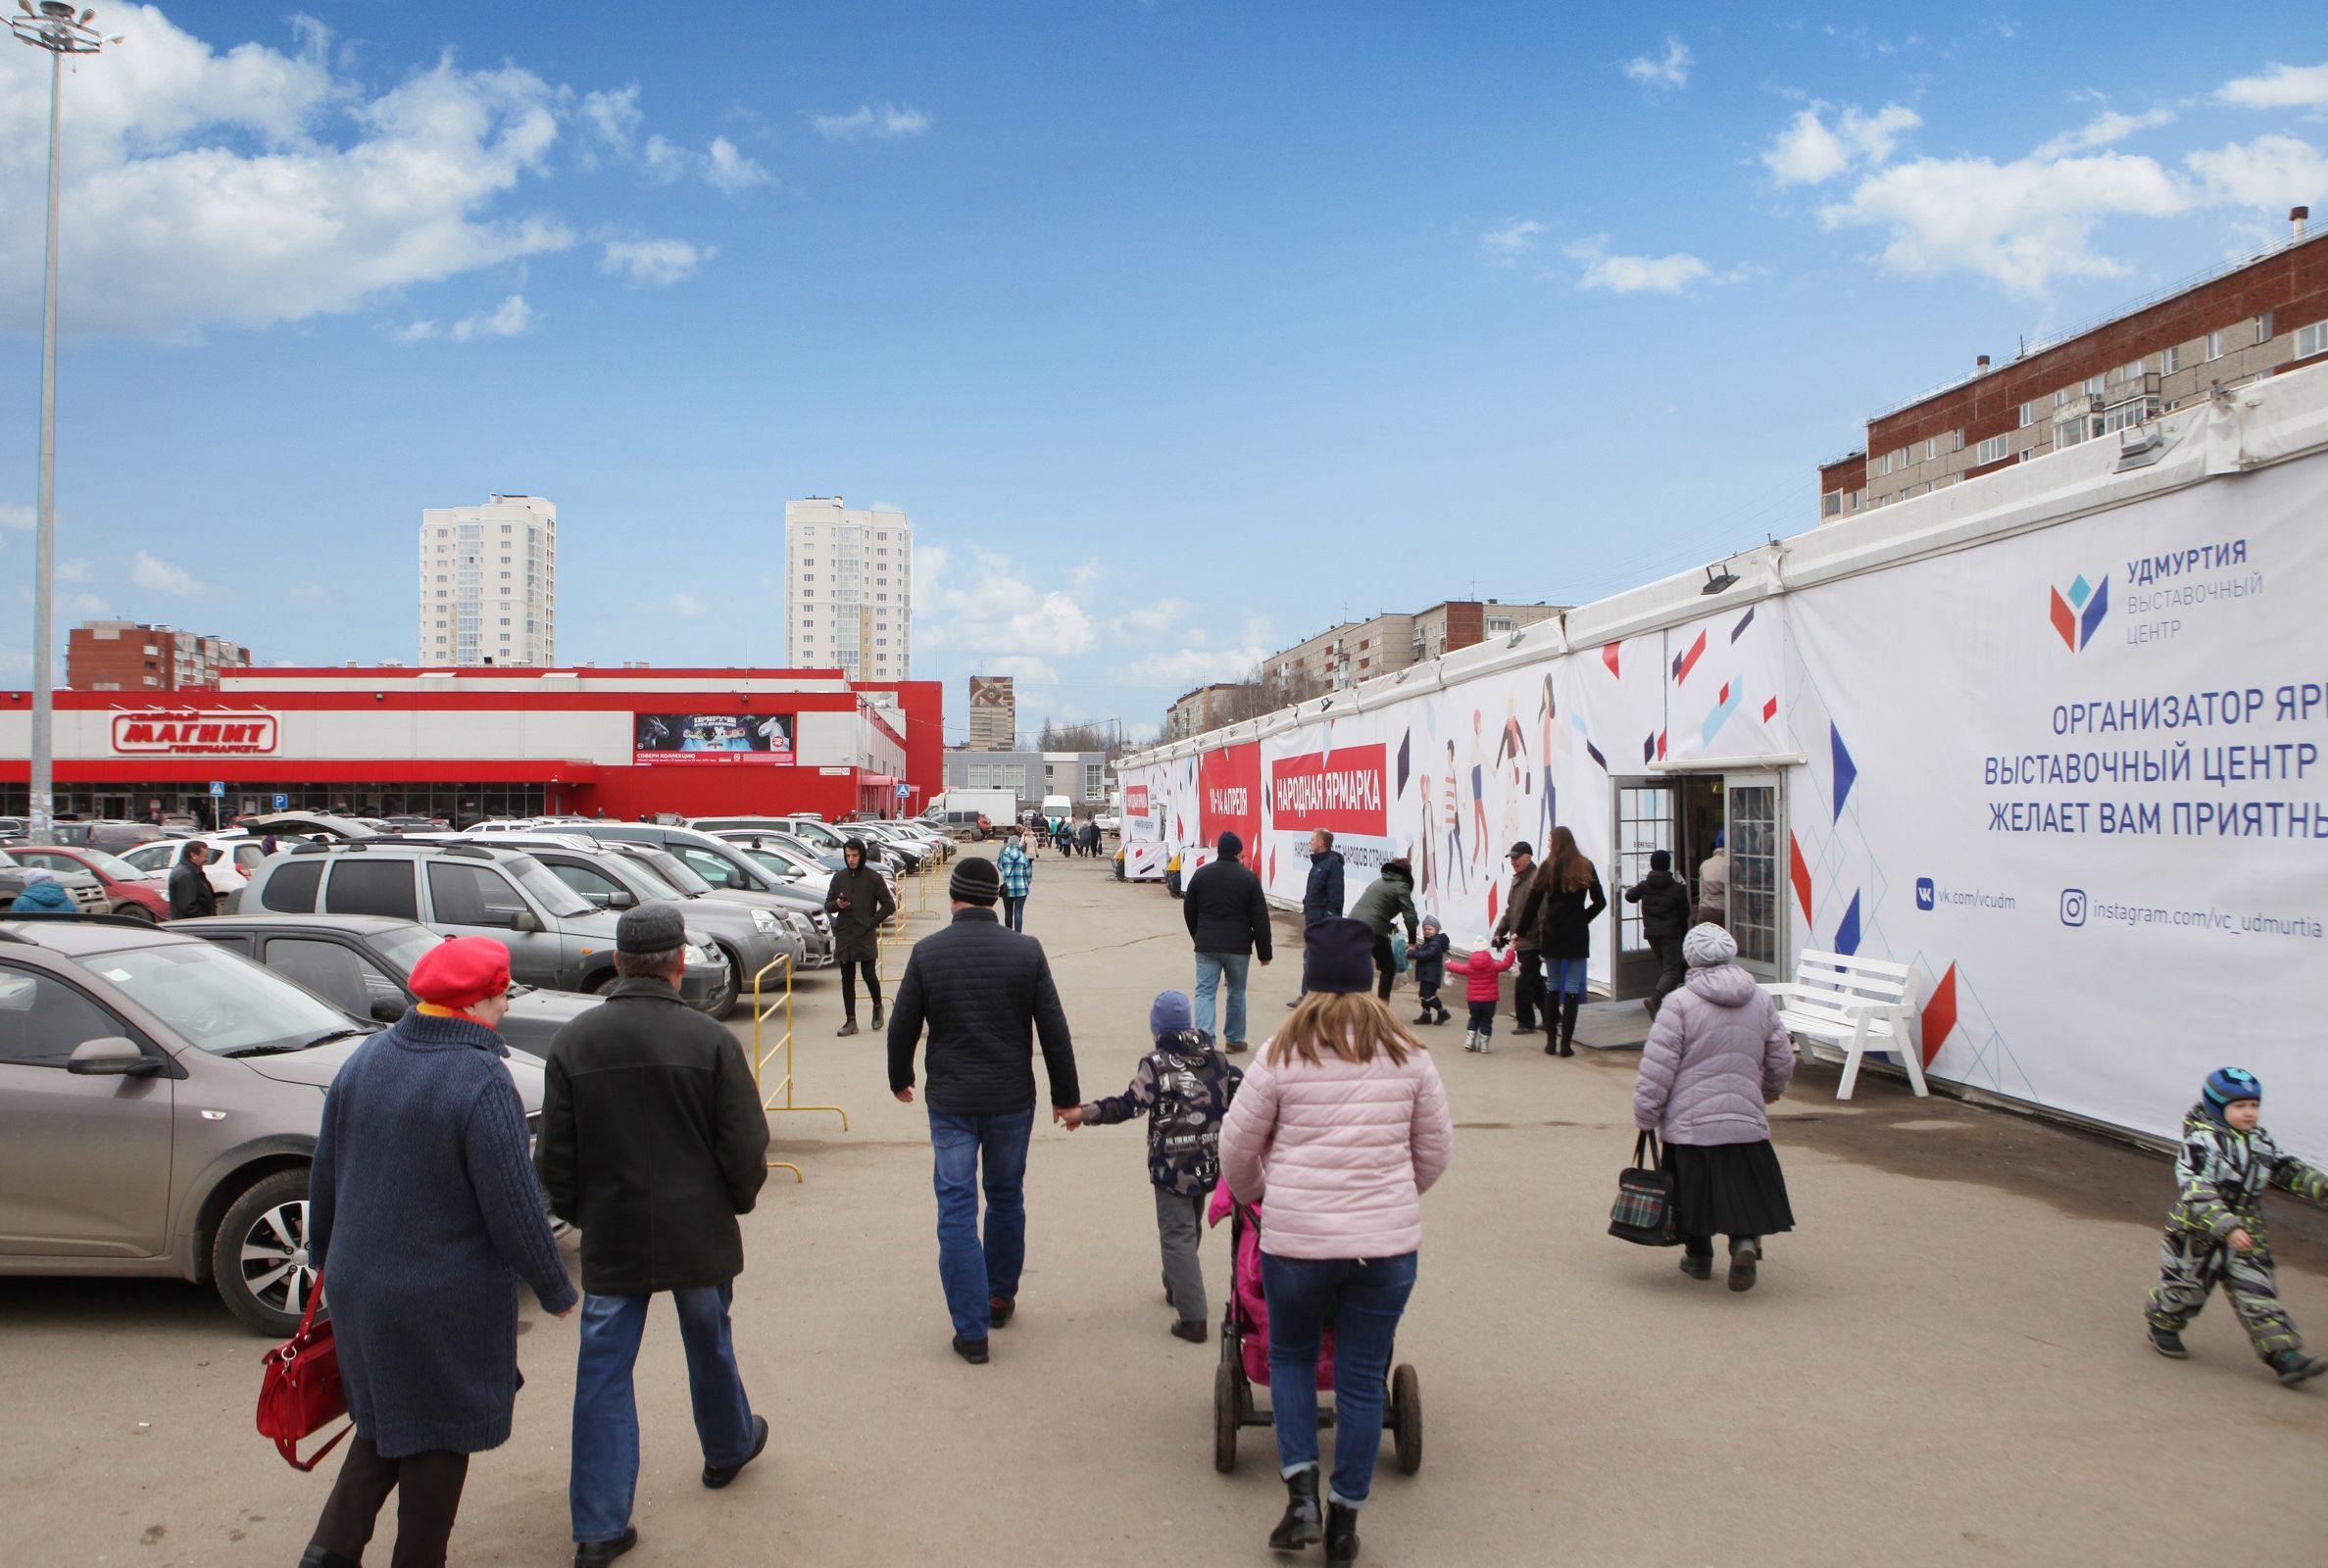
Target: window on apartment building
505,577
2028,454
1859,499
2172,360
2214,344
982,776
1993,449
1830,505
2095,384
2028,414
2131,370
2311,340
1931,449
2061,399
2263,327
1959,438
1886,465
1496,623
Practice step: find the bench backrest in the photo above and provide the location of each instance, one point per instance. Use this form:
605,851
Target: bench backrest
1842,980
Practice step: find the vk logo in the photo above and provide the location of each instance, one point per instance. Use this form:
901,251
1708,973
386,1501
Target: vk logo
2079,612
2073,906
1924,896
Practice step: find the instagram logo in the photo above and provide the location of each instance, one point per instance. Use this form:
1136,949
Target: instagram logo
2073,906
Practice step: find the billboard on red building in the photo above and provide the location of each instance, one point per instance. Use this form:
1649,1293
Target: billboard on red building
764,738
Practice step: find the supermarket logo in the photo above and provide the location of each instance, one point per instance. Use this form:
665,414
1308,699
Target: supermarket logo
2077,612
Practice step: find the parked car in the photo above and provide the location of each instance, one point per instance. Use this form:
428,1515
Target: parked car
104,833
128,891
614,876
697,858
410,823
88,893
363,965
308,826
970,825
233,856
815,862
159,1102
556,938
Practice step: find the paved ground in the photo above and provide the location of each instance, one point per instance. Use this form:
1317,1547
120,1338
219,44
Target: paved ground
1943,1365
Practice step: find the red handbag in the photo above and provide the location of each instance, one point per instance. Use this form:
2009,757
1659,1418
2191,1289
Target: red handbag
299,1392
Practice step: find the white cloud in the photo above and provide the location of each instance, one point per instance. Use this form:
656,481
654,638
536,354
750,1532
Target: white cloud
682,603
18,519
2279,87
1672,70
74,605
77,570
1810,151
510,317
162,577
1180,669
614,120
654,261
1507,245
888,121
257,186
314,592
1635,275
2268,171
729,170
2102,130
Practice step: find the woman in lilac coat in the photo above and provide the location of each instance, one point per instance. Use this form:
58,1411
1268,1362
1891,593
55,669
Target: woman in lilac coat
1716,1056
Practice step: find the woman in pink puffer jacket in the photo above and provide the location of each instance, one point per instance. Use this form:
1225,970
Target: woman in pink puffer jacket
1341,1126
1715,1056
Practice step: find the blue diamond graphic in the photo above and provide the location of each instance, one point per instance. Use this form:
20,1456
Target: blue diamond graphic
2078,592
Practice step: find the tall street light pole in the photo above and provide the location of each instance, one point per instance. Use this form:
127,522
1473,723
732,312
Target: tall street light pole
52,27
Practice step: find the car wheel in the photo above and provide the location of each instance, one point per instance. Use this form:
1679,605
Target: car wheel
259,1256
722,1001
134,910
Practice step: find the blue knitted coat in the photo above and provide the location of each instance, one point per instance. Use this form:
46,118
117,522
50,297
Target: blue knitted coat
425,1215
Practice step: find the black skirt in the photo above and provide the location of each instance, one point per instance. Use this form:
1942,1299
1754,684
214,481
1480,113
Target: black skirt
1728,1190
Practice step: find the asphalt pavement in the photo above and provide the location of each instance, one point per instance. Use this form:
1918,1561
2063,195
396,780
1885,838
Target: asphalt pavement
1945,1363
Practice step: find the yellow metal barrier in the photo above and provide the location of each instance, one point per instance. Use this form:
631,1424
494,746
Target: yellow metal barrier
761,1010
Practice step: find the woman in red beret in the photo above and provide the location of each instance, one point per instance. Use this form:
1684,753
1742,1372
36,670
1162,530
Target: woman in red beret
426,1216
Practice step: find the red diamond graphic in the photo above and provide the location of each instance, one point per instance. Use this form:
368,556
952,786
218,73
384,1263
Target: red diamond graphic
1609,658
1940,1014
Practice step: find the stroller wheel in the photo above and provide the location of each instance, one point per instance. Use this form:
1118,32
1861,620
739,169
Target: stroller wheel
1405,1418
1224,1418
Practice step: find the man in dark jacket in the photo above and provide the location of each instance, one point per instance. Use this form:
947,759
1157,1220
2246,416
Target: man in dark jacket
1228,919
986,992
653,1141
1665,920
1518,922
859,904
191,897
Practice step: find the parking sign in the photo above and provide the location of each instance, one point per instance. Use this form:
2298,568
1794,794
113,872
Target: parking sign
282,802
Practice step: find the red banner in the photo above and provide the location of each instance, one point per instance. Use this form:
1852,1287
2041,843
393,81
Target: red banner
1135,800
1228,793
1342,792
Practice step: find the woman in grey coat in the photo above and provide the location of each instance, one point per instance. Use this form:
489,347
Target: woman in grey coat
1717,1056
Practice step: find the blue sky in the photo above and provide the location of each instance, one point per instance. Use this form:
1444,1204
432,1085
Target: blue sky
1180,330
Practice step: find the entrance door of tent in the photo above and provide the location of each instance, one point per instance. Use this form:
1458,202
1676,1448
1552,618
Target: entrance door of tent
1648,819
1753,816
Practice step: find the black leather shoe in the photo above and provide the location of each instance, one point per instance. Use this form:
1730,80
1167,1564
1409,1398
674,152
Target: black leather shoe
592,1553
1698,1265
1302,1525
999,1310
1194,1332
323,1557
1745,1254
971,1350
1341,1534
715,1476
878,1016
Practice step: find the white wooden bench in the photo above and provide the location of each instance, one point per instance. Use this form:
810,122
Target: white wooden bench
1851,1005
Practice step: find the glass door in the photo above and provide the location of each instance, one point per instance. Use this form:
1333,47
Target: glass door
1754,820
1647,811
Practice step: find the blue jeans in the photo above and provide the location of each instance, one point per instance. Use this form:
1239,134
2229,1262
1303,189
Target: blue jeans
977,1272
1015,912
1565,977
1365,1296
605,1410
1209,969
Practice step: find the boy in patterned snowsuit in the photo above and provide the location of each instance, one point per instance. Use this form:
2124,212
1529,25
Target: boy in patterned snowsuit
1183,1085
2215,1233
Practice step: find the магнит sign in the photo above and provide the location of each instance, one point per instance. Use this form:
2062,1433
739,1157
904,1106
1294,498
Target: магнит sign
194,732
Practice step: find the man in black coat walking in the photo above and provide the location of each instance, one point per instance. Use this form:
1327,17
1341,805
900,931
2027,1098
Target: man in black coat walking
1665,920
191,897
1228,919
1321,899
859,904
986,992
653,1141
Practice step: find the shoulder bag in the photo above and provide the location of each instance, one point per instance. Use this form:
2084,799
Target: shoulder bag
299,1389
1643,1211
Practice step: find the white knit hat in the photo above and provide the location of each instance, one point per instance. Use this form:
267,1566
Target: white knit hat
1708,946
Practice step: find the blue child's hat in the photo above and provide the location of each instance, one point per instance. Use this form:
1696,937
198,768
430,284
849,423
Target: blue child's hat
1170,1014
2227,1084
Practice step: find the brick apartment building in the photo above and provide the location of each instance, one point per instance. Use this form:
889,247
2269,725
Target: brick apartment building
1361,650
2254,320
1210,707
127,655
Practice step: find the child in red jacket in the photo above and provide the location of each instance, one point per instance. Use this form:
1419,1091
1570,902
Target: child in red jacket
1480,969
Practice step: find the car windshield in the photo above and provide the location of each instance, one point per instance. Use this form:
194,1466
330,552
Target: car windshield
219,1003
112,865
816,833
9,860
540,881
403,945
153,858
675,871
652,884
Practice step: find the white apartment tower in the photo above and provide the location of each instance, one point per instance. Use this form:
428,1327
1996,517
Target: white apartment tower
849,589
490,583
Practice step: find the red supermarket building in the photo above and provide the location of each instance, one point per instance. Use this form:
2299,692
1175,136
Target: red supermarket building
471,743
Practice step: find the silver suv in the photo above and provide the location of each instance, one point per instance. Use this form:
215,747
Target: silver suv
159,1102
557,938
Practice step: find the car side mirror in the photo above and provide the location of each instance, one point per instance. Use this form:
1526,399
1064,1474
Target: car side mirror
621,898
525,920
388,1009
110,1056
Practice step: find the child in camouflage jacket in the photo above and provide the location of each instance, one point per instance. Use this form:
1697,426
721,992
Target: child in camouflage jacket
2215,1233
1183,1085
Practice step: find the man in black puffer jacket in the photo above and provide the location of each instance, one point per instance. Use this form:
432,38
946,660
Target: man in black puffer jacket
986,992
1664,921
1228,919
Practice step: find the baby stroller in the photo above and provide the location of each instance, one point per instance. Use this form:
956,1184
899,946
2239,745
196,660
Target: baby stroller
1245,1355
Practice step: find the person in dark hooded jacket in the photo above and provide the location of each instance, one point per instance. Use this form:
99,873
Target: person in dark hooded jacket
1665,920
859,904
1228,921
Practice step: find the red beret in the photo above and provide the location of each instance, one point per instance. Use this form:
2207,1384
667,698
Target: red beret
462,971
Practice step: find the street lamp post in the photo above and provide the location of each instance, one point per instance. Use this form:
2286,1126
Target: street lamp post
53,26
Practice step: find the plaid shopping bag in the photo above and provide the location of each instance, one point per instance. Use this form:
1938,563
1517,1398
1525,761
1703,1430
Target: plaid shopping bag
1644,1209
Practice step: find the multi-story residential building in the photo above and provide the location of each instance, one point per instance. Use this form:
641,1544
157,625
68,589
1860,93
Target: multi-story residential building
2255,318
849,589
1212,708
994,713
1361,650
128,655
490,583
